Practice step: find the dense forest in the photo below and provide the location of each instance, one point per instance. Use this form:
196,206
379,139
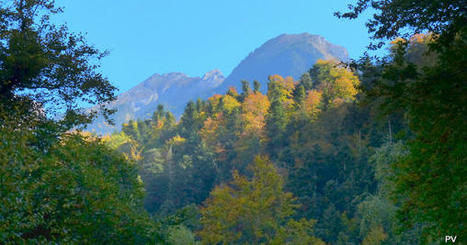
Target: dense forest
367,152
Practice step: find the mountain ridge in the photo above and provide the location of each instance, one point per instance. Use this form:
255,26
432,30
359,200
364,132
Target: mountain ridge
285,55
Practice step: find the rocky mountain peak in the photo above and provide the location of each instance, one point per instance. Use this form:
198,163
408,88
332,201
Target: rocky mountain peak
285,55
215,74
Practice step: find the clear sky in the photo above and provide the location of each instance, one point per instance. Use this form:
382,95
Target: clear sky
195,36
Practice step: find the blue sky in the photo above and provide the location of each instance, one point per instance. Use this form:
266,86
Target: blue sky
152,36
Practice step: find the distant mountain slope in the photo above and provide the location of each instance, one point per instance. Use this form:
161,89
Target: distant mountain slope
286,55
173,90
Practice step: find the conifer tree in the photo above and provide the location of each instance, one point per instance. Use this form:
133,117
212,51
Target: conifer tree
256,86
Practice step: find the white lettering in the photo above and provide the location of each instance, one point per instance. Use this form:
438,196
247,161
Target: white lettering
450,238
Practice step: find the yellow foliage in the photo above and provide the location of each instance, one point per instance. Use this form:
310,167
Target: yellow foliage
177,140
313,102
285,87
247,211
338,84
255,107
287,84
116,140
135,152
160,124
398,40
323,62
230,103
215,101
209,132
345,84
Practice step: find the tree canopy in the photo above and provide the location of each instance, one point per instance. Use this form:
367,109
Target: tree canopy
254,211
59,185
47,67
430,90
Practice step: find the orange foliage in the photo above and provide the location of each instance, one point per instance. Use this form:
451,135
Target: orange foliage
209,132
313,102
286,84
398,40
255,107
233,91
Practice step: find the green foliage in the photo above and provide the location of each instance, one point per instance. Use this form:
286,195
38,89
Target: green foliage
306,81
323,152
176,170
375,237
376,212
246,90
297,232
47,64
256,86
299,95
430,180
116,140
57,186
383,159
181,235
252,211
338,84
444,17
359,177
76,190
436,120
276,121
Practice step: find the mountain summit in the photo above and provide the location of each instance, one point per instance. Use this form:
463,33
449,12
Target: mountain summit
215,76
285,55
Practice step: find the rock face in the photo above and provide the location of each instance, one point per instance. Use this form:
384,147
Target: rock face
286,55
173,90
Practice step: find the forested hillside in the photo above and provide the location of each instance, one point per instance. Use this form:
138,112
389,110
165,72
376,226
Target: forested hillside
331,155
367,152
